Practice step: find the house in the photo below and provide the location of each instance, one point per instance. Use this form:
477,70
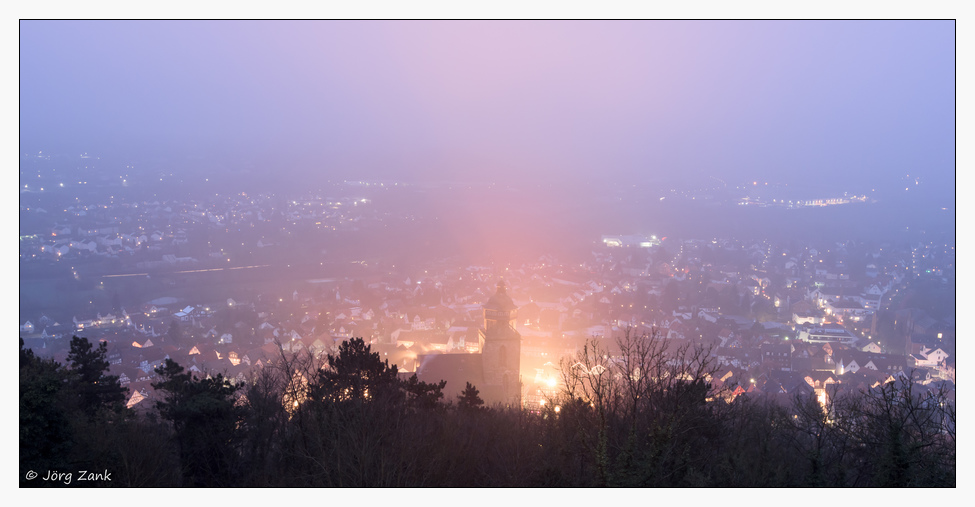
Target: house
820,379
870,302
853,360
462,336
725,335
146,344
317,345
134,400
185,314
777,356
708,315
927,358
946,369
872,348
152,359
921,376
832,333
676,331
846,308
726,375
736,342
126,375
805,313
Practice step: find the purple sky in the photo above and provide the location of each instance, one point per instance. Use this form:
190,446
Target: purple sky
792,101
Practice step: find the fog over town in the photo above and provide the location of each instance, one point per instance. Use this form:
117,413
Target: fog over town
500,212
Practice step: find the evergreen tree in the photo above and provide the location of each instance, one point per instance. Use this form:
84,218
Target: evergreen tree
469,400
355,373
423,395
45,433
89,368
204,420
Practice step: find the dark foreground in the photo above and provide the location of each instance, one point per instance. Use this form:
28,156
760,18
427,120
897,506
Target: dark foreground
357,423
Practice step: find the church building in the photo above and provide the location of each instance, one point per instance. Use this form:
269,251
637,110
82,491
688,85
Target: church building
495,371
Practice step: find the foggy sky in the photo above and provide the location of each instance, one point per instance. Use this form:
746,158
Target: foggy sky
794,101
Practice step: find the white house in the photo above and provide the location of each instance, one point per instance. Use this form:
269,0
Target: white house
929,358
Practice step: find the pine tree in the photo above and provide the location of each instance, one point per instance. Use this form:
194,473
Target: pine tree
355,373
469,400
89,368
45,434
204,420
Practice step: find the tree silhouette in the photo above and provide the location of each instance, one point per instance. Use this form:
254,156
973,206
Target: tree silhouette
89,366
45,435
635,411
423,395
468,400
204,420
355,373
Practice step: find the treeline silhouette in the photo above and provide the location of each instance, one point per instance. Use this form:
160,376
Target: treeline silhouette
630,413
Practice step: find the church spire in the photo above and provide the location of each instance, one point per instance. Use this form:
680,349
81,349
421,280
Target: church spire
500,301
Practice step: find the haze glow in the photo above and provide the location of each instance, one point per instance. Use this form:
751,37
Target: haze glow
797,101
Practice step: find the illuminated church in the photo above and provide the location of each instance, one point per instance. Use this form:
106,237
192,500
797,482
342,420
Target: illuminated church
495,371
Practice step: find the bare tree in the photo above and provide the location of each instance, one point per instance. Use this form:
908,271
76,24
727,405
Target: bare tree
819,434
653,396
906,434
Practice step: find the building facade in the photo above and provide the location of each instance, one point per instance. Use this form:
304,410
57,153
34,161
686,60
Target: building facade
501,350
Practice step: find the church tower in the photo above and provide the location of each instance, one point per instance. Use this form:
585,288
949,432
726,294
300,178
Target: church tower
501,350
